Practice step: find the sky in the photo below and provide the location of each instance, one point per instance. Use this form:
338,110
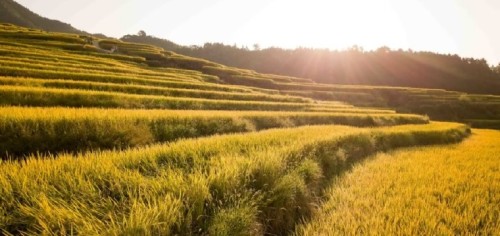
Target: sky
469,28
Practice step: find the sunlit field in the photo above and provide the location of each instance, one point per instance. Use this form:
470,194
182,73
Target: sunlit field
105,137
233,184
445,190
51,130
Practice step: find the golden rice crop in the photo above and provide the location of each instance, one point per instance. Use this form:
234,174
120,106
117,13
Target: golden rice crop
149,90
262,182
30,130
438,190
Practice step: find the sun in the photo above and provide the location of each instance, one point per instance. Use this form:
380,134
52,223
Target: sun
324,24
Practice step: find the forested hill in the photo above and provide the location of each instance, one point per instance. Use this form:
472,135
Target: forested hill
14,13
354,66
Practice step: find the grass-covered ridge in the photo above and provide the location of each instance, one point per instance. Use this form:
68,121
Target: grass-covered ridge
150,90
48,97
30,130
236,184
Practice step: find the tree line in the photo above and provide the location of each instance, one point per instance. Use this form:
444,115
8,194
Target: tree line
384,66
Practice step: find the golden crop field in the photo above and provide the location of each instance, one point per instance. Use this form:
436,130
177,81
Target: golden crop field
233,184
142,141
438,190
51,130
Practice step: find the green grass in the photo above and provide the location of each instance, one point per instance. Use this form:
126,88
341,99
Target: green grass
29,130
262,182
438,190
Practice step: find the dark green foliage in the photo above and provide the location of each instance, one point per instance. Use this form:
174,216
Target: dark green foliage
484,124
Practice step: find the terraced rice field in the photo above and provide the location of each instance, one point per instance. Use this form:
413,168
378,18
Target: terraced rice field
50,130
102,137
229,185
436,103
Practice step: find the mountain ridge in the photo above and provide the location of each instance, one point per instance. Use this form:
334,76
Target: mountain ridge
382,67
15,13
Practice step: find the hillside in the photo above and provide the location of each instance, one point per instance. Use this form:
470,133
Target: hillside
106,137
141,69
383,67
43,69
14,13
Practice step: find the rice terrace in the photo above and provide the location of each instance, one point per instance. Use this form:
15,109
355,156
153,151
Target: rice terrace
114,134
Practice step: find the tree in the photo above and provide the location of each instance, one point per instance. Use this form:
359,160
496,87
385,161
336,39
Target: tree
256,47
383,50
141,33
356,48
496,69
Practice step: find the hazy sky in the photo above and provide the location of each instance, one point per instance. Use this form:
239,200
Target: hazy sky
469,28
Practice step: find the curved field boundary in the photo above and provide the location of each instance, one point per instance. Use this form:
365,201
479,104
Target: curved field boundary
254,183
30,130
437,190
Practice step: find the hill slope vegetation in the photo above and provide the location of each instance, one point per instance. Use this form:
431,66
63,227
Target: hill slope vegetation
14,13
